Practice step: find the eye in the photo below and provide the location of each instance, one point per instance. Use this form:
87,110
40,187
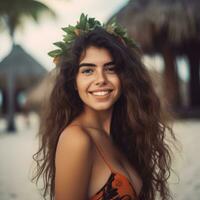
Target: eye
110,68
87,71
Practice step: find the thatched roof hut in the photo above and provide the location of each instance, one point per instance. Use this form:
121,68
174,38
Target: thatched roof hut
154,23
24,68
18,73
170,28
40,94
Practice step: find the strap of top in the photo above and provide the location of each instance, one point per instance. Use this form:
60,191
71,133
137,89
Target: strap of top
101,154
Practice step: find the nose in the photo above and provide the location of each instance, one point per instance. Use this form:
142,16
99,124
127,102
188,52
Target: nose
100,78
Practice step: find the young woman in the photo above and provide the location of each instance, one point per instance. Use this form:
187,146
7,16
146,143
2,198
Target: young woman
103,135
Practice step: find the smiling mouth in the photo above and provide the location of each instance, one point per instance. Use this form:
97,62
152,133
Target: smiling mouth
101,93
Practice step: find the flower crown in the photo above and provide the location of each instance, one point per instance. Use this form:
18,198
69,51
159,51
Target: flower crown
85,25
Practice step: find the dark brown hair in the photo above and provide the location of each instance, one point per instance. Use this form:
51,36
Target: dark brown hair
137,114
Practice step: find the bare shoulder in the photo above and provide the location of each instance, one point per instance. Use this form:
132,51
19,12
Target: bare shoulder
73,164
75,137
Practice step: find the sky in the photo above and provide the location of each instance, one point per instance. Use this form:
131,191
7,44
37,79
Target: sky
37,39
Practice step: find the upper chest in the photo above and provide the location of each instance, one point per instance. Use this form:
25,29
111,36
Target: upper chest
107,157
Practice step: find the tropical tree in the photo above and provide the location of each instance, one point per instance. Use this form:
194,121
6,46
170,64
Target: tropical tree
12,15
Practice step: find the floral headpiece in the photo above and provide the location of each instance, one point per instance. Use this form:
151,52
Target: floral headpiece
85,25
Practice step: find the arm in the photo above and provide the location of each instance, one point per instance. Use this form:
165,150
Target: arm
73,165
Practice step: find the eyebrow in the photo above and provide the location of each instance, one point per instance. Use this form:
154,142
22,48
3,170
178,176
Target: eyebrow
93,65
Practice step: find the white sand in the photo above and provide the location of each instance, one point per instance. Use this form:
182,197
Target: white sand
187,162
16,152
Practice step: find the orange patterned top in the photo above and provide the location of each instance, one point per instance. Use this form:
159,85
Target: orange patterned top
117,187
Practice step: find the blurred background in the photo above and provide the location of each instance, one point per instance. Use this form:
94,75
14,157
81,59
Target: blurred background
168,32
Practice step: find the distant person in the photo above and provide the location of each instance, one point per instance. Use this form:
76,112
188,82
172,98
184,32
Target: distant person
103,133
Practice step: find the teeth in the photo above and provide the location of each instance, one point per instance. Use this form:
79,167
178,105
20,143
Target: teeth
101,93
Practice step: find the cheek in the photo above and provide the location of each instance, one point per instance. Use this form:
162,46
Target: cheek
118,87
117,83
81,85
80,90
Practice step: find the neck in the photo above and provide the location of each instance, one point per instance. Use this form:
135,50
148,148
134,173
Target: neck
96,119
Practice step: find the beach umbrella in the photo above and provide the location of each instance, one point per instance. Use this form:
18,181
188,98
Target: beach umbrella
18,72
169,28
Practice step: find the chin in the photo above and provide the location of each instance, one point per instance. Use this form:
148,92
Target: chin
101,107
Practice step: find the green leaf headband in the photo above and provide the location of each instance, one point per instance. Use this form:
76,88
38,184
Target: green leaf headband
85,25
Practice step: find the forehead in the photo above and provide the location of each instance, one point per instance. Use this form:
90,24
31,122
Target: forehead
96,55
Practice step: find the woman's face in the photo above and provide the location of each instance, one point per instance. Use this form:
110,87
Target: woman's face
97,82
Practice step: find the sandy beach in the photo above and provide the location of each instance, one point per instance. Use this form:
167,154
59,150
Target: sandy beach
16,164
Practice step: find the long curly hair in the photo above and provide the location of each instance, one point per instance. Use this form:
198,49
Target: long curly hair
138,115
